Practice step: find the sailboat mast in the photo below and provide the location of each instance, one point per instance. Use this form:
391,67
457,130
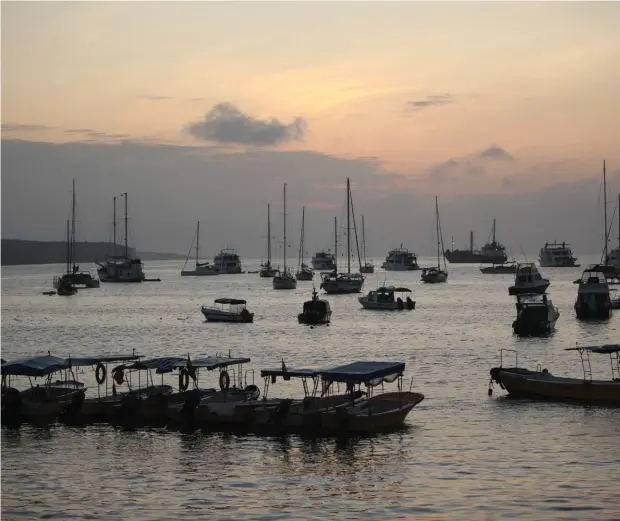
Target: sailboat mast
72,250
348,227
336,243
285,227
493,231
301,241
68,248
114,227
197,241
269,235
437,225
605,212
126,246
363,240
618,224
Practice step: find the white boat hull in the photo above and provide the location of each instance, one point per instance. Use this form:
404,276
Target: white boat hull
218,315
284,282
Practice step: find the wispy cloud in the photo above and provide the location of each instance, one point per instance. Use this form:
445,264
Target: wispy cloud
495,152
20,127
78,130
434,100
152,97
225,123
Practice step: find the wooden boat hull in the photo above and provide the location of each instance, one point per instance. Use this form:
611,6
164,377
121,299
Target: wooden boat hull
532,384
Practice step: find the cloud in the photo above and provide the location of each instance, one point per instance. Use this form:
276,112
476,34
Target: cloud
78,130
430,101
151,97
20,127
225,123
495,152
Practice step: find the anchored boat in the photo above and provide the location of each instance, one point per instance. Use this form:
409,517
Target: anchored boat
202,268
228,310
593,298
384,299
536,315
315,311
528,280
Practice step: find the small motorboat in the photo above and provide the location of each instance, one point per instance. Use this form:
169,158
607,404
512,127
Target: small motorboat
384,299
520,382
316,311
66,288
505,267
528,280
228,310
536,315
593,298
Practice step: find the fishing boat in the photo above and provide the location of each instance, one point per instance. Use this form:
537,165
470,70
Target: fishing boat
540,383
121,268
593,298
505,267
384,299
267,270
315,311
536,315
435,274
228,261
492,252
67,284
400,259
284,279
557,255
340,283
367,267
304,272
228,310
201,268
528,280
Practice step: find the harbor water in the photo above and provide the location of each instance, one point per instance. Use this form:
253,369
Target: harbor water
463,455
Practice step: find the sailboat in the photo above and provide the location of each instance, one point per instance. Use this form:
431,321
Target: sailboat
284,279
436,274
266,270
121,268
304,272
367,267
73,276
202,268
614,257
344,282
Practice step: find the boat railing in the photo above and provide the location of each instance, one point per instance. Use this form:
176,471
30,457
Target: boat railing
245,377
501,356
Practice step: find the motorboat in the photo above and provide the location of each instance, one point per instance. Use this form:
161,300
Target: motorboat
505,267
593,298
284,279
492,252
65,287
367,266
266,269
557,255
615,299
383,298
528,280
435,274
324,261
315,311
201,269
540,383
304,272
400,259
228,261
345,282
228,310
536,315
121,268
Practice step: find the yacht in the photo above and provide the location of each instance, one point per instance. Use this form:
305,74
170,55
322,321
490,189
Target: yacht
400,259
557,255
435,274
121,268
493,252
528,280
324,261
201,268
593,298
267,270
228,261
384,299
348,282
304,271
284,279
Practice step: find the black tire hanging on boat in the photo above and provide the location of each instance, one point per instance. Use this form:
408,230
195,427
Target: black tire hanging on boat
100,373
183,380
224,380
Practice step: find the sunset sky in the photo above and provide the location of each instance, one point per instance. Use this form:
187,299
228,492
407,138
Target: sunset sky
459,98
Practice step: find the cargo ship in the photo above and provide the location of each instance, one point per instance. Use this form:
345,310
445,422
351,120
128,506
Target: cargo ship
493,252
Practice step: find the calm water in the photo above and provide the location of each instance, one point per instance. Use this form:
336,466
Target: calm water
463,456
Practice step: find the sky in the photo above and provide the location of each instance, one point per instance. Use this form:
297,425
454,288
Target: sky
202,110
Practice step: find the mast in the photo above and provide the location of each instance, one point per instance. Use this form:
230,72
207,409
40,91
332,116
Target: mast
618,224
471,241
301,241
336,244
72,248
269,235
126,247
605,212
348,227
284,227
493,231
363,240
114,227
68,248
197,241
437,225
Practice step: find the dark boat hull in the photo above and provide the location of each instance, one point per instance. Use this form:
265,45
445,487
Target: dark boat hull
469,257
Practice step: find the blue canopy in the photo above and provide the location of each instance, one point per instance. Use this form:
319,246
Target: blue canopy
161,365
212,362
35,366
295,373
362,372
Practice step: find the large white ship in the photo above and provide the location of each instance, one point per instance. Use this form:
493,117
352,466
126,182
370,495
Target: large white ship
556,255
400,259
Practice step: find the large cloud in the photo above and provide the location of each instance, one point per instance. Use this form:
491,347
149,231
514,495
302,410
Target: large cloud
226,124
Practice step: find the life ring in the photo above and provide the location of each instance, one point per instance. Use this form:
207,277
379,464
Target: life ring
100,373
183,380
224,380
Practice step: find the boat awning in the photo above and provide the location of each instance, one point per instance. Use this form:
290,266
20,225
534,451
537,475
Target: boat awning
604,349
35,366
402,290
79,361
232,301
294,373
161,365
212,362
364,372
